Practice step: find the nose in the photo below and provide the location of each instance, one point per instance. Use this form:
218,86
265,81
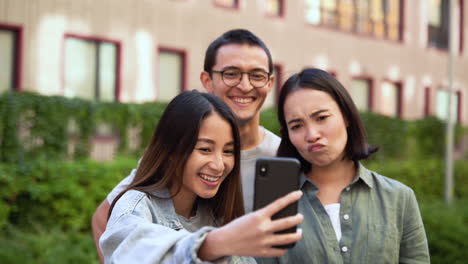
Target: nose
244,84
217,163
312,134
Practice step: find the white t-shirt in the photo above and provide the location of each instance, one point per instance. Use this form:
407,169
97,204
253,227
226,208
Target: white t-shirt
267,147
333,211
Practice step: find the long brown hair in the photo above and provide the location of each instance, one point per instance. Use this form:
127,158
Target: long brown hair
173,141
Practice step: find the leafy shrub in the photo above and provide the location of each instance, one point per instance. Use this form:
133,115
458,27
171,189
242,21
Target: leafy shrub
43,246
425,176
446,230
60,194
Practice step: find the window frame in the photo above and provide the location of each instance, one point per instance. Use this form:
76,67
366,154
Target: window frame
459,102
96,39
18,56
183,54
236,5
460,32
353,32
370,92
427,101
282,11
400,96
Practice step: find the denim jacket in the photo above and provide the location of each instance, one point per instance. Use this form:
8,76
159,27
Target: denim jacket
142,229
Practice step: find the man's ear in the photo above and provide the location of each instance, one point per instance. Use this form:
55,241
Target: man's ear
206,81
271,83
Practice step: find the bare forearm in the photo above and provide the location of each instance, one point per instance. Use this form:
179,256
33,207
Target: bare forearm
98,224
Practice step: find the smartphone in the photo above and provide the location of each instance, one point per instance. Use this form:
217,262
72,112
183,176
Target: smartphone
274,178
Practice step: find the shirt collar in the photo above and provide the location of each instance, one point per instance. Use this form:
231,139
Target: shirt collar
363,174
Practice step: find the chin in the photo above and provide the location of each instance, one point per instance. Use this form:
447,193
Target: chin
207,195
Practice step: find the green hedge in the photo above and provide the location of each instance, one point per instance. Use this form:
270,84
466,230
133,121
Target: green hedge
425,177
61,194
46,207
47,118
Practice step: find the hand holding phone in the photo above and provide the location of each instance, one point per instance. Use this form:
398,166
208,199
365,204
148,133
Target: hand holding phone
274,178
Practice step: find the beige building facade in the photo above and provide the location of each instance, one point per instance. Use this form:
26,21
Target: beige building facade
391,55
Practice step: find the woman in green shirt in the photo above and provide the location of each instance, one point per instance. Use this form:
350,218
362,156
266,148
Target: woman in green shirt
351,214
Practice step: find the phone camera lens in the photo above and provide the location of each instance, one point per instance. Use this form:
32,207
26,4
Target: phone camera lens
263,170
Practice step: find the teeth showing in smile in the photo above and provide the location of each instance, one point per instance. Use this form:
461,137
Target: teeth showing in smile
209,178
242,100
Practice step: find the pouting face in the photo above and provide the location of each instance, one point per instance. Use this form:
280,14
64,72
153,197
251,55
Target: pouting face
244,100
211,160
316,126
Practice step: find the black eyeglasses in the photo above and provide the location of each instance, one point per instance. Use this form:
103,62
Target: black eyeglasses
232,77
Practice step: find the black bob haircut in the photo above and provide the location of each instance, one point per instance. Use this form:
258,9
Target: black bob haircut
357,147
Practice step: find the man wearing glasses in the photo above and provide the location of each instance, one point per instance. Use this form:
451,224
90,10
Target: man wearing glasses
238,68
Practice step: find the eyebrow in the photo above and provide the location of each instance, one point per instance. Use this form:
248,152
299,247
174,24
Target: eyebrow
237,68
311,115
210,141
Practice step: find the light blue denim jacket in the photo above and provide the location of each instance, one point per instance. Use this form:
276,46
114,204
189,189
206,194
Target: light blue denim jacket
142,229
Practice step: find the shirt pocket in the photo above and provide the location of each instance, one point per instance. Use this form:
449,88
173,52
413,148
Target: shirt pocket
383,244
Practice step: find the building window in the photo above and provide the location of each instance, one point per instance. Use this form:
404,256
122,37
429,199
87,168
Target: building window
361,92
9,59
274,7
442,105
91,68
392,99
378,18
171,73
227,3
438,24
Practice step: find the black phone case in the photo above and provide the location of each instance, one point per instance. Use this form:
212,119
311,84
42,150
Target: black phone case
274,178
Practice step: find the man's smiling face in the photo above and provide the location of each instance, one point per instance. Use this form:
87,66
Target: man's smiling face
244,100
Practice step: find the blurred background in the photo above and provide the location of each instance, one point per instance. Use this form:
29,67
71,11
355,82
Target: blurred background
83,83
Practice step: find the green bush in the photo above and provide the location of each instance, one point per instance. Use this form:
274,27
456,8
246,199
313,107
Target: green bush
41,245
46,119
446,230
425,176
60,194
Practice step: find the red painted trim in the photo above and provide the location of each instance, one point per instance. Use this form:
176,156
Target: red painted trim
371,92
460,108
282,11
118,45
183,54
18,56
234,7
278,81
402,21
427,101
118,72
462,25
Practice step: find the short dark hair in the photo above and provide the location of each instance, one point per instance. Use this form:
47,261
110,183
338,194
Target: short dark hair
234,36
173,141
356,147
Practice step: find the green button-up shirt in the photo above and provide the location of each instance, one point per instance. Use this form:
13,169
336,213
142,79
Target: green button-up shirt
380,223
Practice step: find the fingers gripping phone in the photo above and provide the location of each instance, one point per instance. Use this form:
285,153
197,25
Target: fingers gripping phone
274,178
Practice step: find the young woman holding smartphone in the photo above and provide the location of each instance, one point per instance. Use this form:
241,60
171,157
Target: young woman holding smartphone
185,203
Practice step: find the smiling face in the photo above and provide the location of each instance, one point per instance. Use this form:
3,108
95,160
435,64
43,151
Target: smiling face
244,100
316,126
211,160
